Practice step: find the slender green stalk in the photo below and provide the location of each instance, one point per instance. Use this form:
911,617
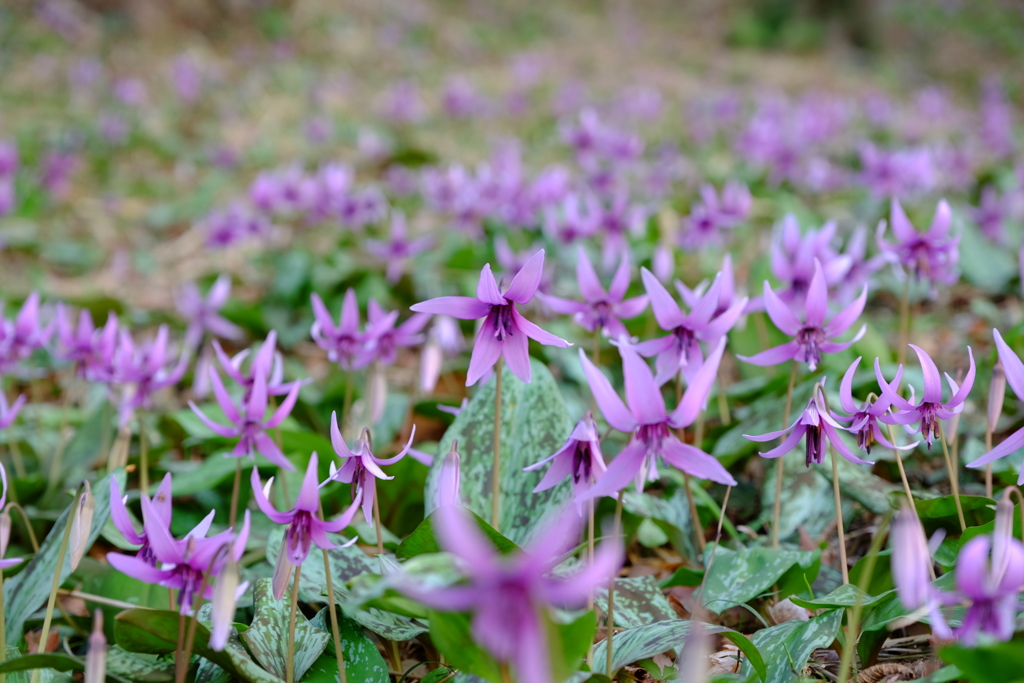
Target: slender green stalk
853,622
698,530
58,454
197,601
903,472
496,472
777,508
289,672
954,479
610,628
28,525
590,559
376,525
105,433
144,458
333,611
44,635
234,492
346,406
901,352
839,517
179,651
19,462
723,400
698,594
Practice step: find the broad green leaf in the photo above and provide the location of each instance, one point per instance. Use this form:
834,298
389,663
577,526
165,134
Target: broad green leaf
386,624
267,637
673,511
845,596
940,513
568,643
363,661
786,647
735,577
102,579
346,564
139,667
450,633
988,662
156,632
638,601
684,576
26,592
422,540
52,660
208,672
807,500
534,424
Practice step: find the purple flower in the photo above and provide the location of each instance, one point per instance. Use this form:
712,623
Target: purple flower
5,524
448,480
20,337
9,413
187,79
56,170
461,100
304,524
579,457
864,421
817,425
578,216
1014,371
342,342
911,569
649,423
267,361
160,506
237,223
930,409
397,251
181,564
599,310
250,424
793,259
509,594
203,313
143,370
680,351
990,215
619,218
505,331
361,468
382,339
811,337
932,255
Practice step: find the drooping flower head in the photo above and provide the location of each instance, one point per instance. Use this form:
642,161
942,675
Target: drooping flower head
650,424
505,332
159,505
812,336
600,309
143,370
1013,370
397,251
927,412
508,595
911,568
342,342
383,339
203,312
864,420
930,256
579,458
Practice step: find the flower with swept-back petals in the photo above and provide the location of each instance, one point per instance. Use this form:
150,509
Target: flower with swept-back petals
160,505
362,468
579,457
931,255
382,339
20,337
600,309
304,524
509,594
794,256
911,568
203,313
930,409
143,370
680,351
250,424
812,337
505,332
267,361
181,564
650,424
817,425
864,421
397,251
1013,369
342,342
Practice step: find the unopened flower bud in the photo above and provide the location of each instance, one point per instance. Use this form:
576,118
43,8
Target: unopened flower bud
996,394
448,482
225,597
430,365
96,657
81,526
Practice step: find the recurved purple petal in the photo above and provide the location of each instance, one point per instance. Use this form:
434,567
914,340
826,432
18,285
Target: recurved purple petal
349,320
620,281
932,379
309,494
269,450
846,388
586,278
1010,444
527,280
1012,365
118,514
341,448
227,405
665,308
779,312
486,352
901,225
218,429
842,321
534,332
816,305
941,221
487,289
960,395
773,356
516,351
285,409
458,534
138,569
642,394
259,494
620,473
697,392
461,307
788,444
612,407
695,462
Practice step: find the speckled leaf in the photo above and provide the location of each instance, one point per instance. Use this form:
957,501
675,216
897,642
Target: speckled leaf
857,483
786,647
267,637
649,640
363,661
346,564
672,515
738,576
26,592
208,672
534,424
846,595
638,601
385,624
139,667
807,500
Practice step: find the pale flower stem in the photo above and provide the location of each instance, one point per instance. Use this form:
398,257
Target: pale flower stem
701,541
698,594
496,471
723,400
903,472
697,439
591,504
376,525
777,507
901,353
144,458
333,611
197,602
610,628
290,662
19,462
846,663
839,517
953,478
44,635
179,652
988,467
346,406
28,525
234,492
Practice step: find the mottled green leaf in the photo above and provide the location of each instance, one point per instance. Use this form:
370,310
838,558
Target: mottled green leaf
807,500
27,591
846,595
684,576
363,661
139,667
638,601
857,483
422,540
267,637
386,624
534,424
735,577
786,647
